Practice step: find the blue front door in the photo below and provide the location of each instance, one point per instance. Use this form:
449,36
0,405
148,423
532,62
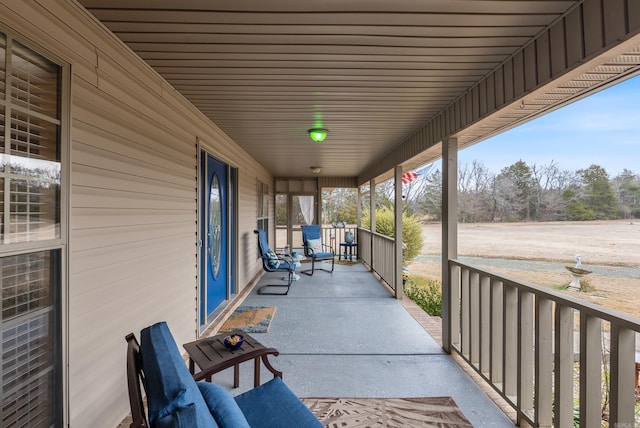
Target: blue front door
214,284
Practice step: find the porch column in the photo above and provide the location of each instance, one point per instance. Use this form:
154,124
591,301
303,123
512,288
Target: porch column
318,206
372,216
398,205
449,230
358,213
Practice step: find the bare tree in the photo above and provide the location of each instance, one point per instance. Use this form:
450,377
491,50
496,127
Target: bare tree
475,200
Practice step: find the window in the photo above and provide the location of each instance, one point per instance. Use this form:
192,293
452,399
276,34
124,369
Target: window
263,206
30,237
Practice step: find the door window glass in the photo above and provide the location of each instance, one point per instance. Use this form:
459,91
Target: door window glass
215,226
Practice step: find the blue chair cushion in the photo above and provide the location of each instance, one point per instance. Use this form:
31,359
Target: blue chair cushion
323,255
170,387
183,417
273,404
222,406
273,259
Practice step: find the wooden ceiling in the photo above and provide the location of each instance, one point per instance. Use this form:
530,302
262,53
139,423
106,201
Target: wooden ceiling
370,71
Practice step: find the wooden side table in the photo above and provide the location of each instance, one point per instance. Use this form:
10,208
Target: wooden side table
211,356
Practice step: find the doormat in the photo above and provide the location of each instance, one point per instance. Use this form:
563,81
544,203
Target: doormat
250,319
439,412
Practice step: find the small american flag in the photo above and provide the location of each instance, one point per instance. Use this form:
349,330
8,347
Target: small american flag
408,177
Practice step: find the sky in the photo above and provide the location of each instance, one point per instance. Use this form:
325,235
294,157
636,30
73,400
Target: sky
602,129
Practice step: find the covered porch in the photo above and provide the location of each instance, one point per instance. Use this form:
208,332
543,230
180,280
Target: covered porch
141,100
344,335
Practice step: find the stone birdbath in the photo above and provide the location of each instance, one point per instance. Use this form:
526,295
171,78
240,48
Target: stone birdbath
577,272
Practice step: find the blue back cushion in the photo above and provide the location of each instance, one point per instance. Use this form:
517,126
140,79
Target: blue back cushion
311,231
222,406
173,396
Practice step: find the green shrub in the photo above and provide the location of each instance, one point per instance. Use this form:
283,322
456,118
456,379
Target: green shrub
411,231
427,293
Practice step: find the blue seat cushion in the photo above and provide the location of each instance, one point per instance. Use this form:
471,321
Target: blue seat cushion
286,266
171,390
323,255
273,404
222,406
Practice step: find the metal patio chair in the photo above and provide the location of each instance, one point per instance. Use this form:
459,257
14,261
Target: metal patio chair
314,248
271,262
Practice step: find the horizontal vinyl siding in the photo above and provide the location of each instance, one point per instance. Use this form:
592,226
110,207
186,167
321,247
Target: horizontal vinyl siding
133,202
132,244
248,241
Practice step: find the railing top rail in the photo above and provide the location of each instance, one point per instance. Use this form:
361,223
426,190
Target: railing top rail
379,235
619,318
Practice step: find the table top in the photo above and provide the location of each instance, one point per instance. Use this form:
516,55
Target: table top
349,244
212,356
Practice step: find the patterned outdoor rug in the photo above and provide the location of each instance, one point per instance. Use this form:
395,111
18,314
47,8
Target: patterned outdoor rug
250,319
344,262
439,412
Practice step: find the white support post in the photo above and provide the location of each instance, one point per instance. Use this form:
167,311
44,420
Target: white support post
449,231
398,233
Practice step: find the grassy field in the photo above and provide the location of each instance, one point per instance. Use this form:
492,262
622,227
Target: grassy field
601,243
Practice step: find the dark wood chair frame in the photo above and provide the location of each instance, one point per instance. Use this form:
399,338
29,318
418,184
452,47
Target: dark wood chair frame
135,378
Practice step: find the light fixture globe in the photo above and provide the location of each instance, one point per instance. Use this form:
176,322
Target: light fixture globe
318,134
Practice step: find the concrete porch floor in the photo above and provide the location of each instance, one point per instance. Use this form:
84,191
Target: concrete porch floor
344,335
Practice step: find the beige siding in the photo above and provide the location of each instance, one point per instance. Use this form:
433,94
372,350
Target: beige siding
133,215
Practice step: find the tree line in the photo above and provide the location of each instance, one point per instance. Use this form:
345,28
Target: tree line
519,192
532,192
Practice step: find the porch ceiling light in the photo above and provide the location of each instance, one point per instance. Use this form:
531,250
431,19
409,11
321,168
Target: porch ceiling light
318,134
315,169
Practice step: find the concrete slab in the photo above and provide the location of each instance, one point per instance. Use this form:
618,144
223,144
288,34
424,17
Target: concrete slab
343,335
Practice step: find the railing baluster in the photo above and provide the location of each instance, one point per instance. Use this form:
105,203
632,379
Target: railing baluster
454,305
466,321
590,370
563,363
622,395
510,343
544,362
474,319
525,353
497,331
485,324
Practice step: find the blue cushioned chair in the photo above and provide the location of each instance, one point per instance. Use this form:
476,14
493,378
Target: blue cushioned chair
314,248
274,263
176,400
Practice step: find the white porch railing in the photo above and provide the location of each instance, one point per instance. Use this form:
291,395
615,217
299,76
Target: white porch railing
377,251
534,345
